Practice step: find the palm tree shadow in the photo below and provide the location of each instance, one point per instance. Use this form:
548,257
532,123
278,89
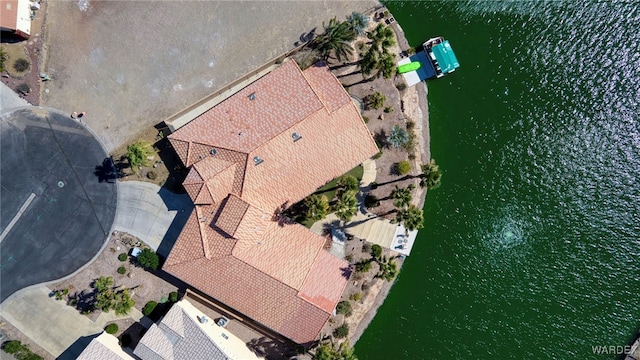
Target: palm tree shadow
108,171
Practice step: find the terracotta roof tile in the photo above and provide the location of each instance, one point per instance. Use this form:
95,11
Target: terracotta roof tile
204,197
327,87
292,170
193,190
233,211
326,281
181,147
282,98
193,177
252,292
191,243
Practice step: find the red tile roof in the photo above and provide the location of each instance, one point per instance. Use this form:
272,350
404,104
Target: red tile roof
247,163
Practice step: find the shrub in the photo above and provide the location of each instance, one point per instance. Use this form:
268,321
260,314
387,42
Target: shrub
123,257
356,296
363,266
13,347
377,156
403,167
376,251
111,329
21,65
366,247
122,270
24,88
374,185
344,307
388,109
149,307
138,154
3,58
375,100
341,331
411,51
411,124
401,86
349,258
371,201
149,259
173,296
365,286
366,119
412,156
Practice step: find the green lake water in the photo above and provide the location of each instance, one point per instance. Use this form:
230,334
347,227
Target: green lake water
531,247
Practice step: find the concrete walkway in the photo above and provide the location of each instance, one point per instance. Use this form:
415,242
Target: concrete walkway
49,323
147,212
369,172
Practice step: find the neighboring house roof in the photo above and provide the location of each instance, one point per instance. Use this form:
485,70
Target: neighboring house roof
104,347
15,15
181,335
265,148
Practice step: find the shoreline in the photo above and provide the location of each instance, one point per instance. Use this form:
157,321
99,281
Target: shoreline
417,108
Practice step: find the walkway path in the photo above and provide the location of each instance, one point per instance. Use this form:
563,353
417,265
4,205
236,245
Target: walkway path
147,211
49,323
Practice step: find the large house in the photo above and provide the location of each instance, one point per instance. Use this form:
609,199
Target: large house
267,147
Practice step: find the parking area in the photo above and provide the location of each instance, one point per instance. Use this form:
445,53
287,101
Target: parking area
132,64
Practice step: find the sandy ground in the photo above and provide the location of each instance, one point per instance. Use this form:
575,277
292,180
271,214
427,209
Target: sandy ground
132,64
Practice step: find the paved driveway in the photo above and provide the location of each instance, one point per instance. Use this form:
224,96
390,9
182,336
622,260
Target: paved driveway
132,64
152,214
56,204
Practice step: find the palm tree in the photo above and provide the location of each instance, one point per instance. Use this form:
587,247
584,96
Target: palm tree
388,269
431,175
103,283
358,22
401,197
348,183
382,38
369,62
411,217
336,39
397,136
123,302
317,207
386,66
347,206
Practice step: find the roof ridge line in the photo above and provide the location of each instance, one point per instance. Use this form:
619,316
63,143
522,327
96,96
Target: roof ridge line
203,237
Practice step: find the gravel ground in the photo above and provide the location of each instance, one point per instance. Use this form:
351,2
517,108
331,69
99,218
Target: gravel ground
132,64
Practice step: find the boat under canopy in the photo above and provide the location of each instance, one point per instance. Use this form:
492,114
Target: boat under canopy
445,56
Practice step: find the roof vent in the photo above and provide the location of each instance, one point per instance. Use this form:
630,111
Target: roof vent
296,136
224,336
257,160
203,319
252,96
213,151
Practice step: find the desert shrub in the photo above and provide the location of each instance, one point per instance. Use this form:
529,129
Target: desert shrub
344,307
366,119
349,258
412,156
371,201
341,331
123,257
366,247
111,329
411,124
388,109
375,100
3,58
21,65
403,167
122,270
363,266
173,296
376,251
377,156
138,154
149,307
411,51
356,296
149,259
13,347
365,286
24,88
401,86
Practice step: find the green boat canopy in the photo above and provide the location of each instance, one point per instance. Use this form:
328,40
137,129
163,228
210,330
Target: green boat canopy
445,57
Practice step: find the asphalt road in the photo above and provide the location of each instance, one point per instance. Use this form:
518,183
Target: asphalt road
57,201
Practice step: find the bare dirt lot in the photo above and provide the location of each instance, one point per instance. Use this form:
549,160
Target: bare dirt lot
131,64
